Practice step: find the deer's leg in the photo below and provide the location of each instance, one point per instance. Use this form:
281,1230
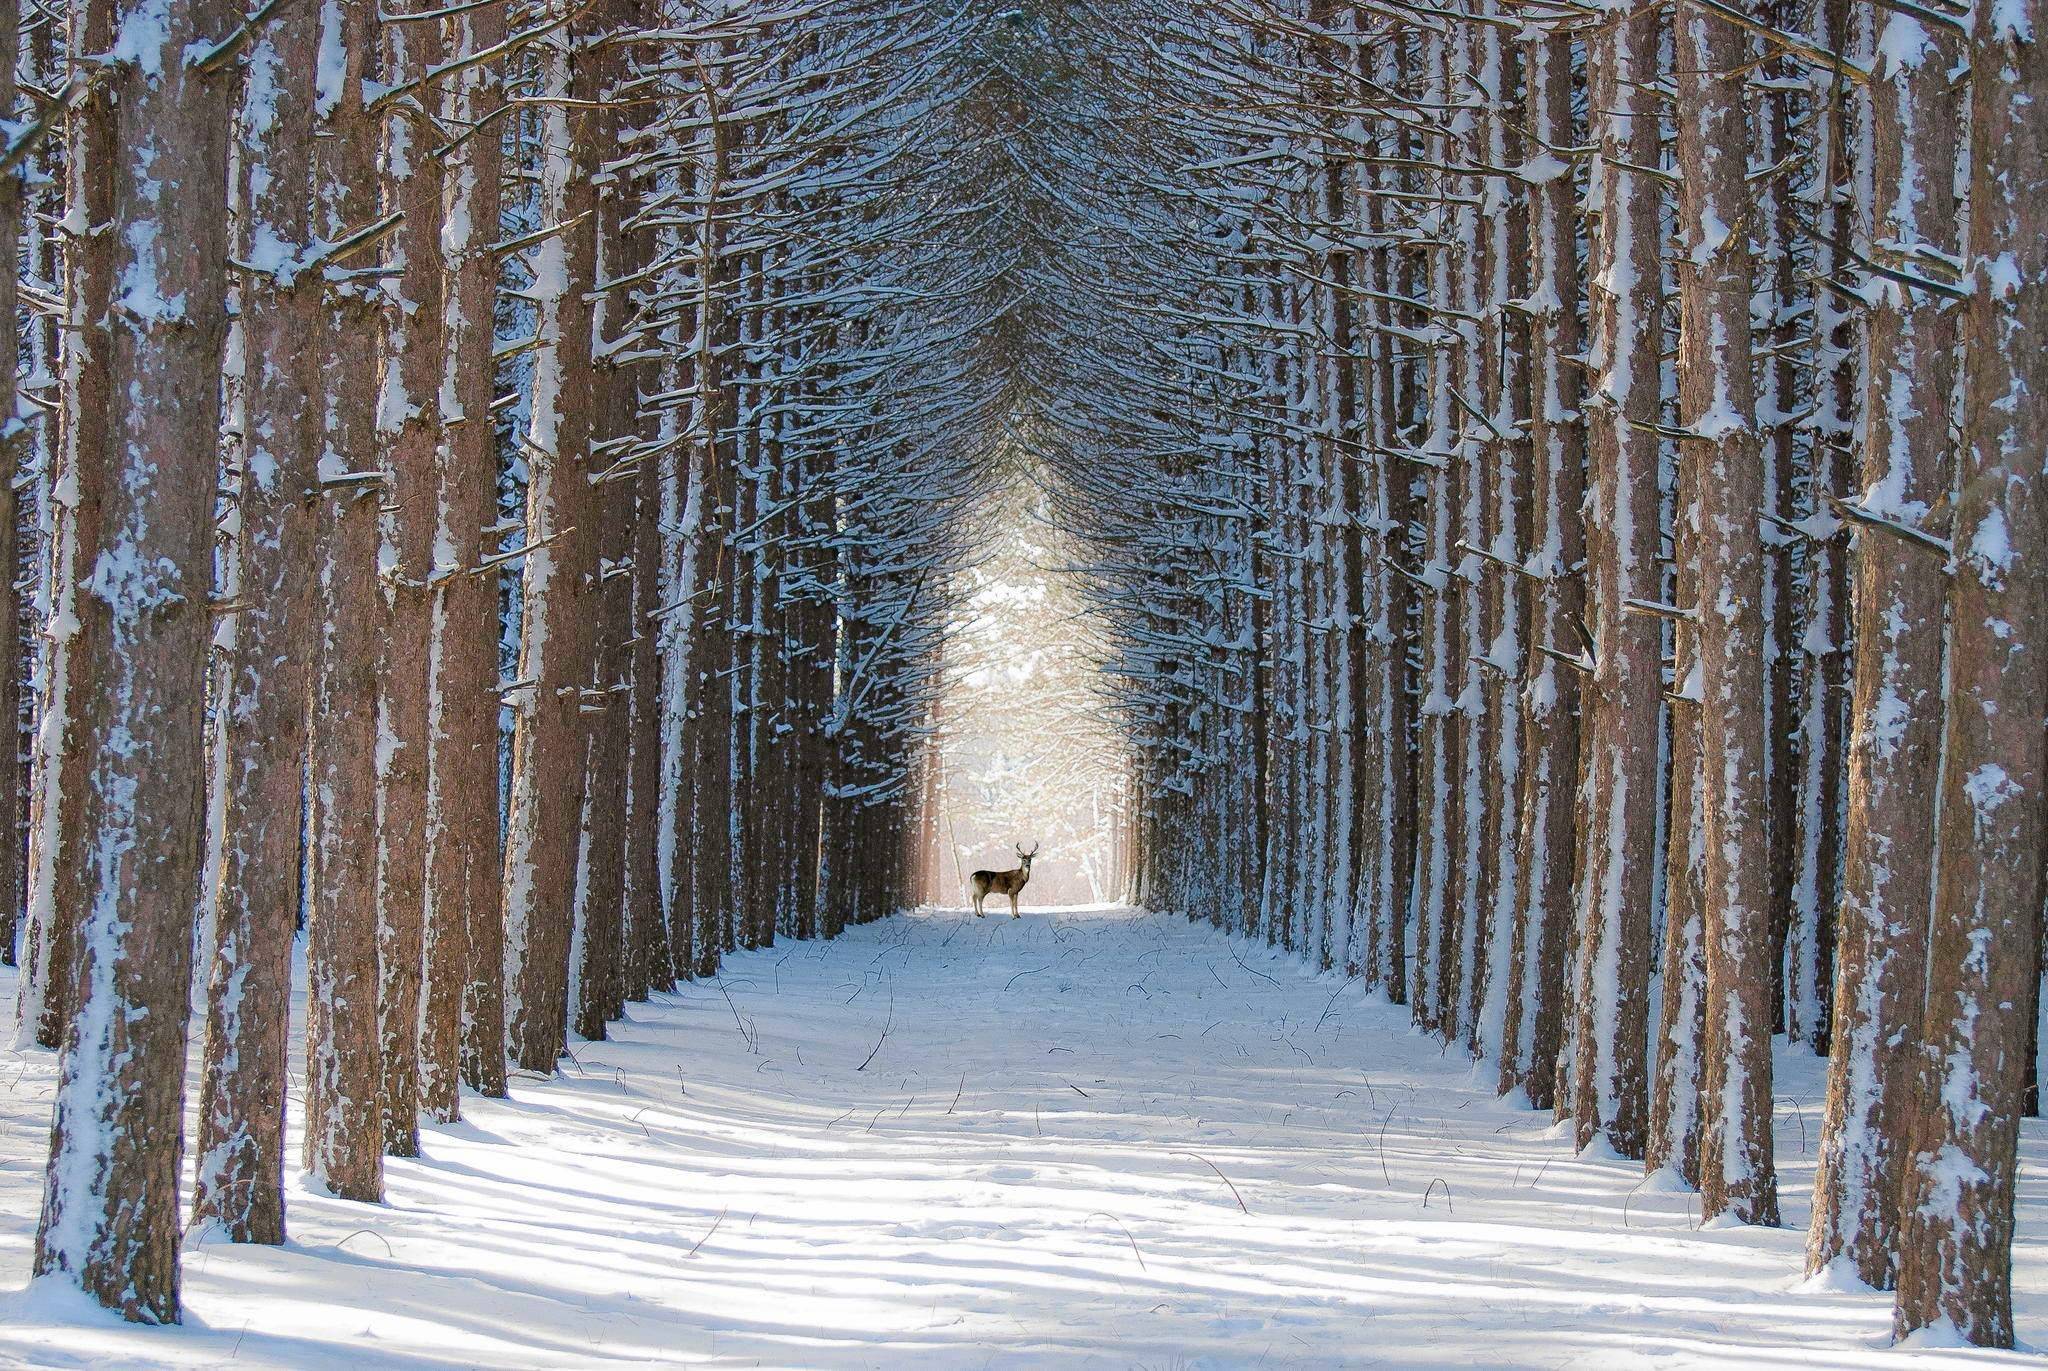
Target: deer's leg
1013,906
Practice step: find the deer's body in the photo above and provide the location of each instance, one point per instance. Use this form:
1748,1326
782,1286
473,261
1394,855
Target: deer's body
987,883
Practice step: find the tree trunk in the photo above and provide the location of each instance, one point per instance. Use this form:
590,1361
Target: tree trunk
1557,549
550,733
408,442
1618,822
1888,873
344,1123
240,1175
1984,951
465,949
1674,1138
13,442
1718,413
138,646
56,837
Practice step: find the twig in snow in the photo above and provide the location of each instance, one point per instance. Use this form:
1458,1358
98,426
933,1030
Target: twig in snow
1625,1199
1798,1114
1028,971
1100,1213
744,1031
886,1024
707,1233
1247,966
1219,1176
1385,1174
366,1233
1433,1184
1330,1003
956,1093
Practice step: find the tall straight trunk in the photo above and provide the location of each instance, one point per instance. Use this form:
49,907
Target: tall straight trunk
753,591
464,956
1718,413
412,359
42,203
1473,477
56,837
682,514
1618,819
344,1122
1788,310
600,907
1436,777
1984,949
816,517
1395,391
1674,1136
645,963
1557,549
138,646
13,443
1351,502
1823,649
649,957
240,1175
712,796
1379,646
544,834
227,583
1888,873
1503,393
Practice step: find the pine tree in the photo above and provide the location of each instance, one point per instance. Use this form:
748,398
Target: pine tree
136,592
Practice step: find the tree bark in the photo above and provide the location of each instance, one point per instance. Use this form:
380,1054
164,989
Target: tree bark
56,837
544,834
1888,871
240,1175
1557,550
1984,948
137,648
1618,820
344,1123
1717,411
408,441
464,914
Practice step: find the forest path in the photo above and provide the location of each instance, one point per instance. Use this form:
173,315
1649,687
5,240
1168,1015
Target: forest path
1083,1138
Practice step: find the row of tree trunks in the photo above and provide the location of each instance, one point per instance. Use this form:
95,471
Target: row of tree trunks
355,766
1682,686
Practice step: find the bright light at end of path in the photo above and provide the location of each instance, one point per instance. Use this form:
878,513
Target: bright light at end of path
1025,748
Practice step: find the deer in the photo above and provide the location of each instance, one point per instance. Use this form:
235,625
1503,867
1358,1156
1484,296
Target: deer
988,883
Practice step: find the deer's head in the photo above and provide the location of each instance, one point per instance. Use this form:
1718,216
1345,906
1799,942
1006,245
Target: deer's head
1025,857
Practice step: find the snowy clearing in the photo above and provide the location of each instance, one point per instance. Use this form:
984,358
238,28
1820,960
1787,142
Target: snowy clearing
1086,1138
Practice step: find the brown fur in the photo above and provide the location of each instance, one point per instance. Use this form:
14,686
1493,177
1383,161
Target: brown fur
986,883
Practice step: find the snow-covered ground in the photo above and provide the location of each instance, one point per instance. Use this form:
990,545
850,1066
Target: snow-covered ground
1086,1138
